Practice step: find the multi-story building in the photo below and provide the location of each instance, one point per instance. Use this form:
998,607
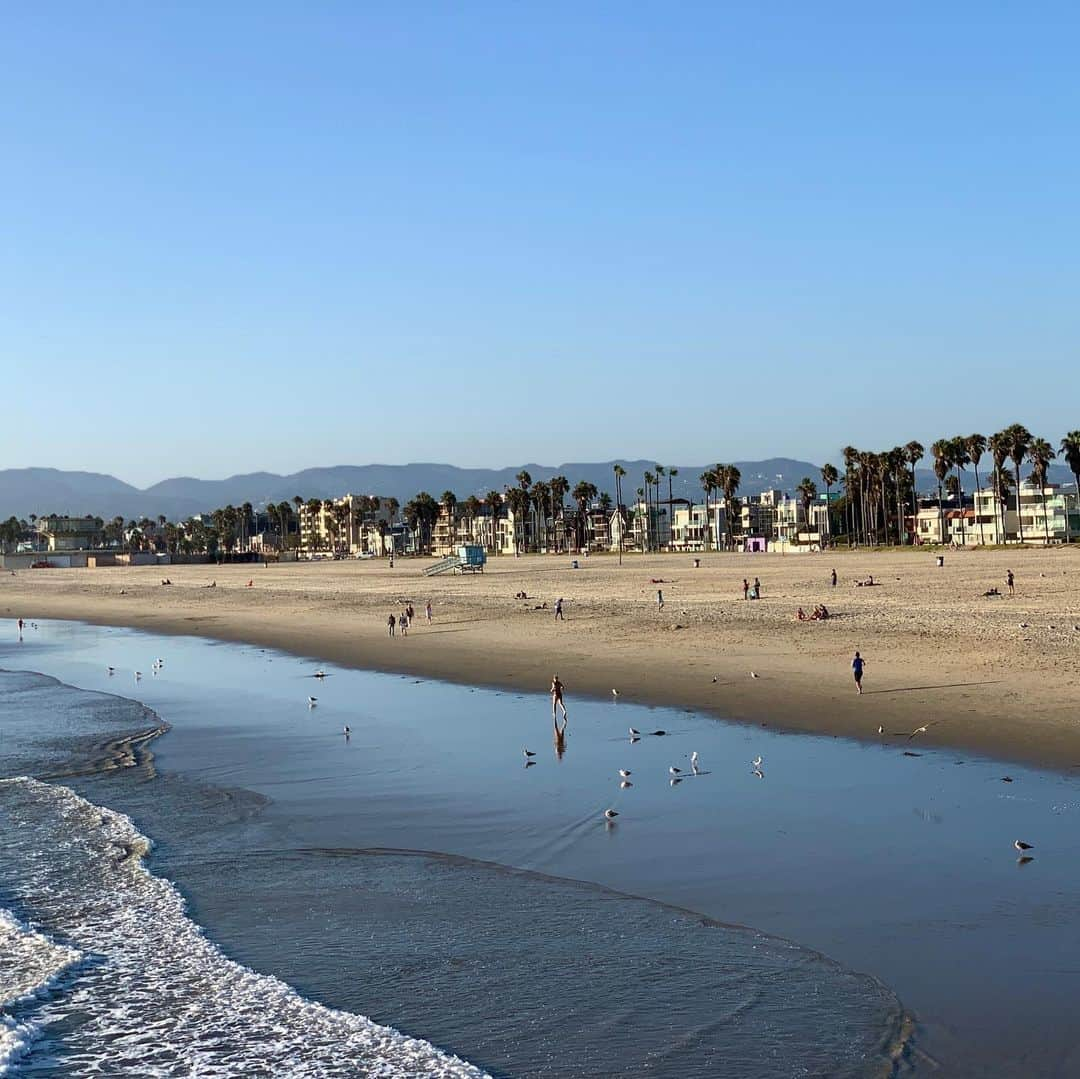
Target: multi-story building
69,533
353,524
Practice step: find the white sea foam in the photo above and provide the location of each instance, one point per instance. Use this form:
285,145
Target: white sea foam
135,987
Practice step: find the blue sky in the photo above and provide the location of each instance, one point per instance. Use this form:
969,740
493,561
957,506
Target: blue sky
267,236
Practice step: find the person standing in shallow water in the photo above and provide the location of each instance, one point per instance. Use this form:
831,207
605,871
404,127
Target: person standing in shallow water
857,665
557,697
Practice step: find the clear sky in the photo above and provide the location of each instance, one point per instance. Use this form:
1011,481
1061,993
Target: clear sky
267,236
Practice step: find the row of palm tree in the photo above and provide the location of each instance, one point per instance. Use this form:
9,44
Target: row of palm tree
726,479
873,481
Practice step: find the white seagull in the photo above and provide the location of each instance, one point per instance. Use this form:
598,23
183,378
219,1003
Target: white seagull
610,814
918,730
624,784
312,701
635,733
754,674
625,773
615,694
320,674
756,762
528,753
111,670
693,762
347,731
138,675
675,771
881,729
1021,846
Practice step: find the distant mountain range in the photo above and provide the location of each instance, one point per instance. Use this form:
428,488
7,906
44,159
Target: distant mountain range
48,490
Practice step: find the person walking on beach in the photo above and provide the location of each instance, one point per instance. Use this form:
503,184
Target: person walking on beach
757,589
557,697
659,599
558,610
745,588
834,578
1010,580
427,612
391,622
403,623
20,628
857,665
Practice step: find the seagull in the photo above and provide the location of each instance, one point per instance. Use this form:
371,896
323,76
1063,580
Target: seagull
758,773
138,675
756,762
754,674
624,784
312,701
881,729
615,694
347,731
693,762
111,670
625,773
610,814
675,771
715,679
320,674
635,733
528,753
918,730
1021,846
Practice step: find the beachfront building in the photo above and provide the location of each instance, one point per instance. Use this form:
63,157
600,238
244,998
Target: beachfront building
55,533
650,526
692,529
352,524
1047,515
799,527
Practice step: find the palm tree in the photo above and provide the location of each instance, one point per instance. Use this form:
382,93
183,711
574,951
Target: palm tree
914,452
730,479
583,493
960,460
1040,454
559,486
619,473
807,493
1018,439
1070,450
541,497
829,476
942,463
998,444
472,511
649,479
494,501
976,447
850,455
707,479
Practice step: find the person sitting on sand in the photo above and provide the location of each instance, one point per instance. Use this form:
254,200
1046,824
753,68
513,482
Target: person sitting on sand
800,615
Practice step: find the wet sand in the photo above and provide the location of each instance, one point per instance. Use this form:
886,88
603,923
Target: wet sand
995,675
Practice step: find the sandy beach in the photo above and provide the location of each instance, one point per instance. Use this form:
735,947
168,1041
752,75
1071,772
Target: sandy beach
987,674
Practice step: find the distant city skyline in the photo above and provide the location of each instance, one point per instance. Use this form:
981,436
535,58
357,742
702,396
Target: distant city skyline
263,237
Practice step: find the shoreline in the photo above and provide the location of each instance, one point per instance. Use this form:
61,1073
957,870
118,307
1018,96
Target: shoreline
937,653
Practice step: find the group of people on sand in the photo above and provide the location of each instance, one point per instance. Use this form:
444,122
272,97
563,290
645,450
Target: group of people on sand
821,613
751,591
405,619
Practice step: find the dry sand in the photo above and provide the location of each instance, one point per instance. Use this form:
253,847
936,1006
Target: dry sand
937,652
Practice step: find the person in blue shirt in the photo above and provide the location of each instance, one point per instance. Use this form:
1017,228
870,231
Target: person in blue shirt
857,665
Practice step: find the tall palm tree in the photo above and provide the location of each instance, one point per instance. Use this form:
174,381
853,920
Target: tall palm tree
807,493
583,493
1018,438
829,476
960,460
619,473
976,447
707,479
730,479
1070,450
941,451
998,444
559,486
649,480
1040,454
914,452
850,455
661,472
493,500
541,497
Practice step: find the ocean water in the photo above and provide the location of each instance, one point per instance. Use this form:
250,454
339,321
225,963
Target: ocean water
419,874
